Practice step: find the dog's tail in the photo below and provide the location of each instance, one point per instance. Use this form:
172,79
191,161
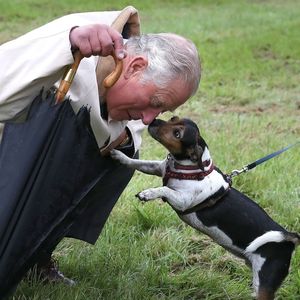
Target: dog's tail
293,237
273,236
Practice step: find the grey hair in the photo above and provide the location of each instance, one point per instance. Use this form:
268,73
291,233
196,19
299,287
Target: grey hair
170,57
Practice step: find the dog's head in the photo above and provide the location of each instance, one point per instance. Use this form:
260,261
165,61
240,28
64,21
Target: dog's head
181,137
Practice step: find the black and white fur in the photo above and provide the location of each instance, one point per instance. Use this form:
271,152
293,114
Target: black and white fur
235,222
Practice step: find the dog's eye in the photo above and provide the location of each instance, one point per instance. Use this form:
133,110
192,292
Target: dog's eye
176,133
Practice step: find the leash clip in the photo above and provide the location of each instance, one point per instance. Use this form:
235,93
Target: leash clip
238,172
257,162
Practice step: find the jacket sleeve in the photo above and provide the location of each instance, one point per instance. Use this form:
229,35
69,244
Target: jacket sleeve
37,59
29,63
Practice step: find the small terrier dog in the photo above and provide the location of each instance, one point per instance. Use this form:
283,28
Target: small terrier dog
203,198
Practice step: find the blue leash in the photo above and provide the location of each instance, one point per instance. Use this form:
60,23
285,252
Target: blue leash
259,161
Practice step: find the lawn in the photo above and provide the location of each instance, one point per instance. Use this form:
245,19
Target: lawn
247,106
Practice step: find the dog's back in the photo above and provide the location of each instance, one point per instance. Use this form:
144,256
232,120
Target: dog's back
234,221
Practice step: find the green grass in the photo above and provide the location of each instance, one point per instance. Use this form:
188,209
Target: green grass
248,105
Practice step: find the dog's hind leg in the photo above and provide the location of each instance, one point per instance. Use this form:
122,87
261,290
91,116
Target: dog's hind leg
265,294
274,269
257,261
271,275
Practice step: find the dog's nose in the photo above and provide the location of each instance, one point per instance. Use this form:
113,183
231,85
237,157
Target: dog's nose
153,122
157,123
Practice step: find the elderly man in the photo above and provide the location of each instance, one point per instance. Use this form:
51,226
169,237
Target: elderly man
160,72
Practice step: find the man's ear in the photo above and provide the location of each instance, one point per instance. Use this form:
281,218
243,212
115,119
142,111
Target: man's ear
136,65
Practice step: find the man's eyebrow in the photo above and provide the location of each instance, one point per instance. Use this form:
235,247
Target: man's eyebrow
158,102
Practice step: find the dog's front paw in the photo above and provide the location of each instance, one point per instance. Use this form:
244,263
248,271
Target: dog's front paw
119,156
147,195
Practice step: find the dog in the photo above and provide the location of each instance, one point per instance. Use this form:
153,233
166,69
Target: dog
203,197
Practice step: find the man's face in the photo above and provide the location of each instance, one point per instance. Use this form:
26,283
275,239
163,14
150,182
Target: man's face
129,99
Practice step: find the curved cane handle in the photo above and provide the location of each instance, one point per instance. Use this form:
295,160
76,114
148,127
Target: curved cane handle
70,72
68,77
112,78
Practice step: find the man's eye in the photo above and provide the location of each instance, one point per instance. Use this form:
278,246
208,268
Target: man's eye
176,133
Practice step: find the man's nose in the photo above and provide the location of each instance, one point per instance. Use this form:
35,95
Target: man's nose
149,116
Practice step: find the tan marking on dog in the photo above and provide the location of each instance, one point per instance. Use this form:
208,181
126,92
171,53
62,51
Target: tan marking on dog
167,138
264,294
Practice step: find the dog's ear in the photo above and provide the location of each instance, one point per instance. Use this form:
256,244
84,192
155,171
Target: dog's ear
195,154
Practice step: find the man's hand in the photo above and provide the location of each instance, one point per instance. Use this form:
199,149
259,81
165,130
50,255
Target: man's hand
97,39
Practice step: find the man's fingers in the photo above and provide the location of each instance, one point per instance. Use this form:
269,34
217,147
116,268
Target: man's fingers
85,48
107,46
118,43
96,45
97,39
